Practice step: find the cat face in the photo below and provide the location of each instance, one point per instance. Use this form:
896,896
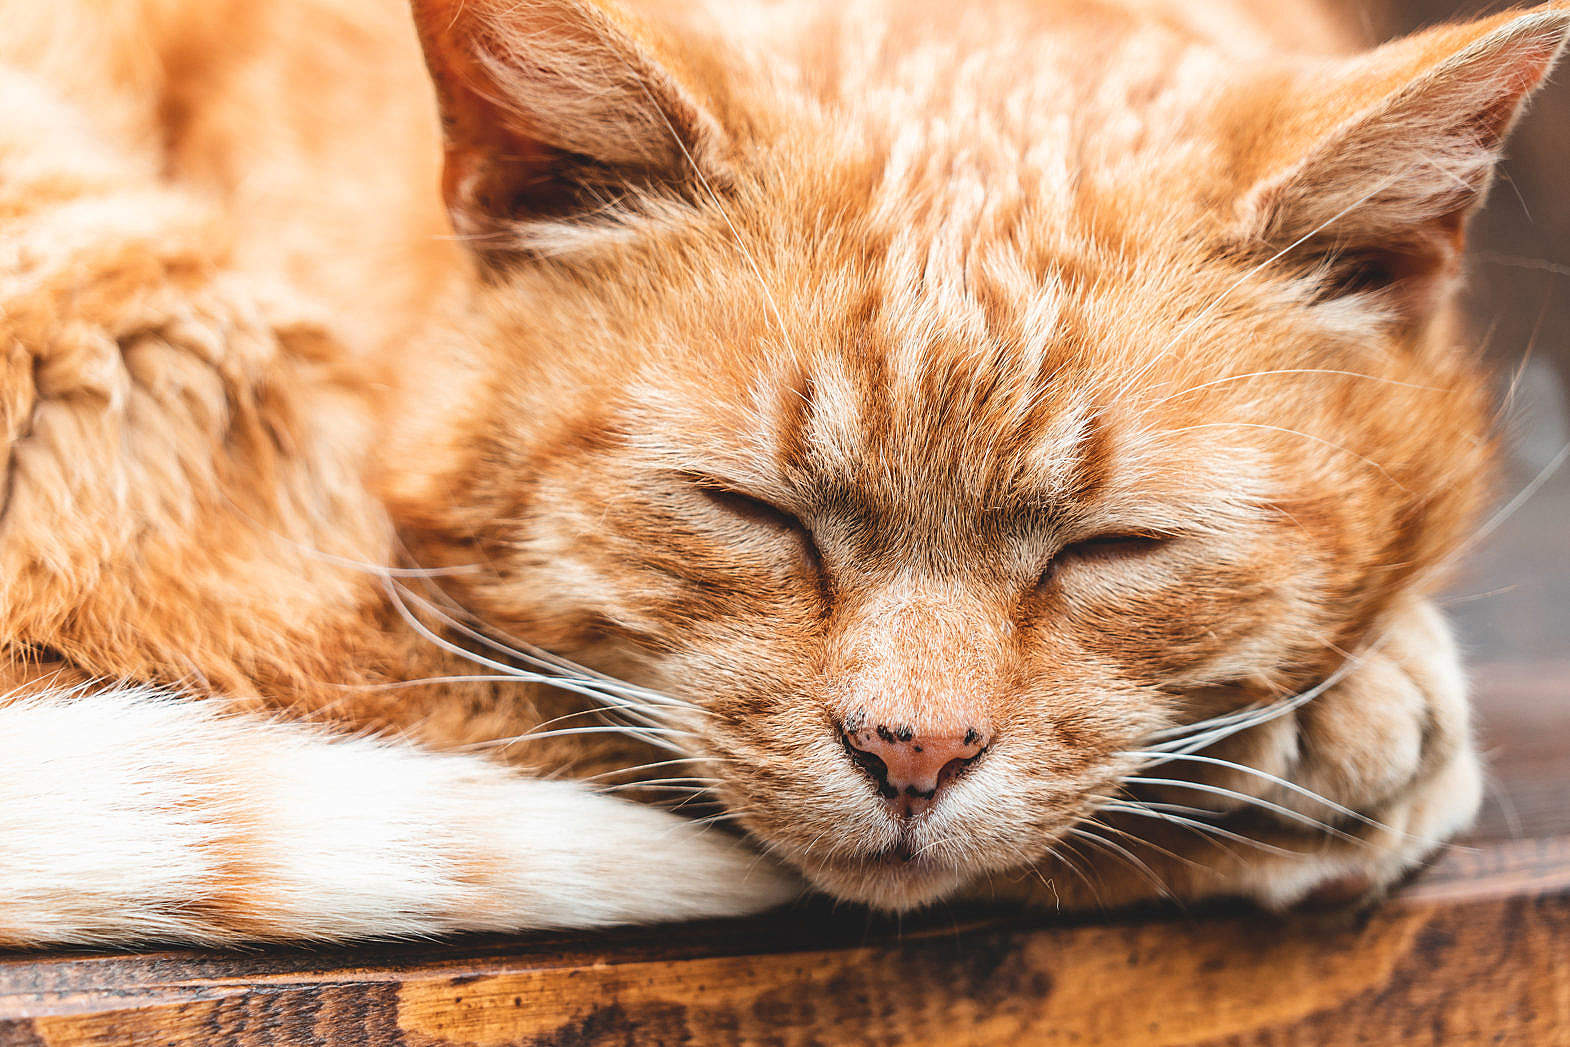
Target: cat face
1055,553
930,474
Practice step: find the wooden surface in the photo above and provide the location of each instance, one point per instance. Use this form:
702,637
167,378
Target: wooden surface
1475,951
1478,952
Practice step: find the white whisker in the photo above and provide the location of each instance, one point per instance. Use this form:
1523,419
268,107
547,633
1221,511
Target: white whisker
1124,853
653,735
1148,843
652,766
1252,801
1295,371
585,688
555,664
1195,825
1292,787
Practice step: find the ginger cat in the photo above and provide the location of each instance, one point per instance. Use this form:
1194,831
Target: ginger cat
971,444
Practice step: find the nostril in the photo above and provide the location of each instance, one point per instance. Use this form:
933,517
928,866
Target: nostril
954,768
869,762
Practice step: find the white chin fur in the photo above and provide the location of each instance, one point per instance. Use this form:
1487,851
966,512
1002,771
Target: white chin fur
888,888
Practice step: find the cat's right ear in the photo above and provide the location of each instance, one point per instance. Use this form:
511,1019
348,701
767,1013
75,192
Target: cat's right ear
558,115
1366,170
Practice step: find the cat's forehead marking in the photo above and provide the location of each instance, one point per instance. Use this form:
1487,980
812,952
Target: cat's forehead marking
987,219
831,430
936,429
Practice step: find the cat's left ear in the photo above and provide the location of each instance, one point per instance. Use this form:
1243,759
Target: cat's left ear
558,115
1368,171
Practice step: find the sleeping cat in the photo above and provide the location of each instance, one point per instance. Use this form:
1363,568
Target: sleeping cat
893,449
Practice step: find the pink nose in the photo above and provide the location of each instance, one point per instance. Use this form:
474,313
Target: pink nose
909,768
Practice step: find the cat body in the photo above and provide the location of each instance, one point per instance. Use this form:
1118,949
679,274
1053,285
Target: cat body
971,445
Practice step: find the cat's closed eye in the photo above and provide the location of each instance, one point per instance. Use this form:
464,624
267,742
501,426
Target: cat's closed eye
764,517
1100,550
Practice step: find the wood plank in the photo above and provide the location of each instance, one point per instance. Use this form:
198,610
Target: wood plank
1477,951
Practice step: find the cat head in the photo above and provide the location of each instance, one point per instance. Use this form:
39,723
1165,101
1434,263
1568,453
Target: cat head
935,407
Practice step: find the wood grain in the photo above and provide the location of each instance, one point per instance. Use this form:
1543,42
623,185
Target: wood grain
1477,952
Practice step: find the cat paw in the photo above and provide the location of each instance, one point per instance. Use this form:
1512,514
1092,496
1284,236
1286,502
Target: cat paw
1369,778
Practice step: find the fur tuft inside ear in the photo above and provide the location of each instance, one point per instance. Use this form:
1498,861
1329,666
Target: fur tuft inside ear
1370,177
556,111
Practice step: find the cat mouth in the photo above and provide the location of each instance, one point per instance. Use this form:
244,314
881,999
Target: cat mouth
895,878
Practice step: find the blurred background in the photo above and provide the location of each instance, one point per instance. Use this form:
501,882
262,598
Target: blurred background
1512,602
1520,301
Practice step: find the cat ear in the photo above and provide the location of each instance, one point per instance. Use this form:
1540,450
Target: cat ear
555,111
1370,177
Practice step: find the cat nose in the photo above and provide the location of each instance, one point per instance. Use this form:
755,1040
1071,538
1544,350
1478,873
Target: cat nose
910,769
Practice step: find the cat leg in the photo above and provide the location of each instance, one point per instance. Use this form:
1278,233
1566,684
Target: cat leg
175,437
127,816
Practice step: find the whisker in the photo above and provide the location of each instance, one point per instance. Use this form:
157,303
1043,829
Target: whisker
577,687
1253,801
1221,719
1174,808
601,712
727,815
553,663
652,766
1274,710
1292,787
512,646
1133,838
399,685
654,736
1198,826
672,785
1296,371
1128,856
1091,881
1073,867
1511,507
